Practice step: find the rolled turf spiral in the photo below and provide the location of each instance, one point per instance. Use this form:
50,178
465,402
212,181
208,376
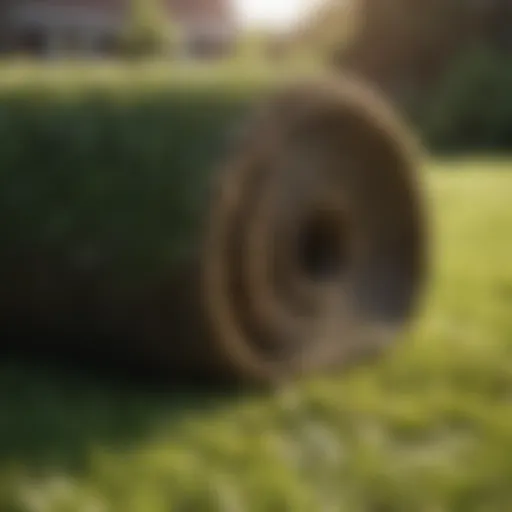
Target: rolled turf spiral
311,252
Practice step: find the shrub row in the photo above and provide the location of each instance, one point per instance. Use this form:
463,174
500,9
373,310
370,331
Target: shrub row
471,109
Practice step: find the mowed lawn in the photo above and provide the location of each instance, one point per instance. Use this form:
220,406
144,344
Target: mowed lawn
427,428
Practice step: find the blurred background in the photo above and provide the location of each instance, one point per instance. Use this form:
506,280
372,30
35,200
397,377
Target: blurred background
445,63
104,86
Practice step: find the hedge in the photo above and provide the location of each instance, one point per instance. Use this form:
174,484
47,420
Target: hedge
471,108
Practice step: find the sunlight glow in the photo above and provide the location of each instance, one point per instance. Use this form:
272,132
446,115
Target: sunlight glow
271,13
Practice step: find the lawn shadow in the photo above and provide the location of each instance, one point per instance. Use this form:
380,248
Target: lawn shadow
55,408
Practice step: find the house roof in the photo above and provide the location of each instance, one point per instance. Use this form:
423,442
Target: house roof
109,13
183,9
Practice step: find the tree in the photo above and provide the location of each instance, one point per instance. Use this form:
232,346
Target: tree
330,26
406,46
149,30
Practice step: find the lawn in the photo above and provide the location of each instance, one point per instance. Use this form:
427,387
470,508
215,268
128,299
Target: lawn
427,428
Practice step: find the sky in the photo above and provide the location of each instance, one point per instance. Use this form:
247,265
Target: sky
271,13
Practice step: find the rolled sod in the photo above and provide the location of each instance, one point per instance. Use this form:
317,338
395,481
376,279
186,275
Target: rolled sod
210,233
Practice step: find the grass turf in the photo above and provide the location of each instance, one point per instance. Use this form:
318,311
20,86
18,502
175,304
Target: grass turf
427,428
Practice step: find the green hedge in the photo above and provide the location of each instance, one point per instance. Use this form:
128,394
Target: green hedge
113,164
471,109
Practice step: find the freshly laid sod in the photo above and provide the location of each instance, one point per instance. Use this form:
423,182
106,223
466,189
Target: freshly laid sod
184,220
427,428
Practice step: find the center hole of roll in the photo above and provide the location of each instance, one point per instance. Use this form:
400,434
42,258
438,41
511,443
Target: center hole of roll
323,246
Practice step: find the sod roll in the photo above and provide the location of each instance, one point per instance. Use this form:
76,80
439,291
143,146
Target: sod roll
132,231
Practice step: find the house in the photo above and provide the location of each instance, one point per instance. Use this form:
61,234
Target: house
54,28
